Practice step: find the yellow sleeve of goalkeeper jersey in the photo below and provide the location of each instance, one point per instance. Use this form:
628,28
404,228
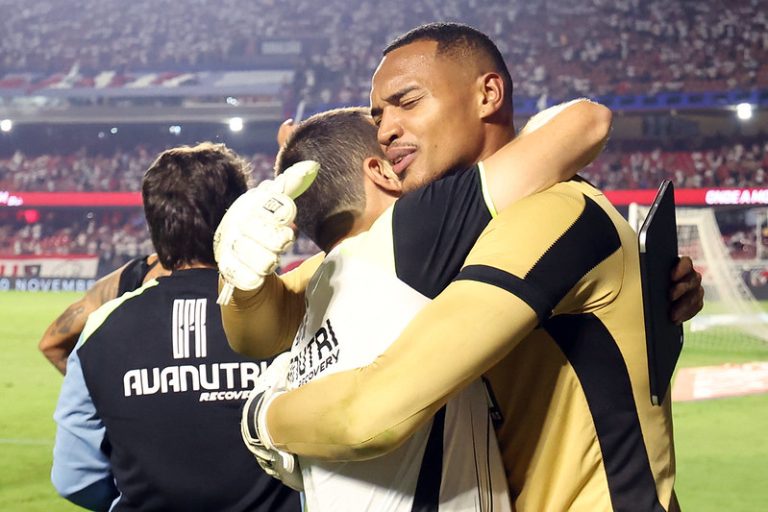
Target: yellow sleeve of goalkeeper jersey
367,412
465,331
263,323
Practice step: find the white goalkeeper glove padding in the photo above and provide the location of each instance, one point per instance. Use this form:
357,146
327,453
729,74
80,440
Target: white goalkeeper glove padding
276,463
256,230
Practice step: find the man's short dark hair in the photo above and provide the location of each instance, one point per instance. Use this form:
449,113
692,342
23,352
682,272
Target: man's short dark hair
186,192
458,41
339,140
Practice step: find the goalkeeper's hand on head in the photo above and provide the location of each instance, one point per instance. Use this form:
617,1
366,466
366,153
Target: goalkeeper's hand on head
256,230
278,464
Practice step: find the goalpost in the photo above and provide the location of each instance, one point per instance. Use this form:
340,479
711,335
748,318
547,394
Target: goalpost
732,318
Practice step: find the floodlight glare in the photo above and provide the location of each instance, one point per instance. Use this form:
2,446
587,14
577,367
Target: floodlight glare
113,130
175,129
744,111
236,124
6,125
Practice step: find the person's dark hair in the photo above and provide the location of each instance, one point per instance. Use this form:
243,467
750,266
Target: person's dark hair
186,192
339,140
459,41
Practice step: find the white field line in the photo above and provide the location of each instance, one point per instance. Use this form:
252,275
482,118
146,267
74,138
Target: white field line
23,441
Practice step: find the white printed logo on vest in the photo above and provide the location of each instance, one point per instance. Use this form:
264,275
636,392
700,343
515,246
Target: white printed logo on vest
318,355
215,381
189,325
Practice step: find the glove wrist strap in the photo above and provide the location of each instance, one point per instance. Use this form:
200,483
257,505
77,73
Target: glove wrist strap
261,419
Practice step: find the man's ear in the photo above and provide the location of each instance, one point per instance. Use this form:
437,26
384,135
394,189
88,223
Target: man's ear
491,88
380,172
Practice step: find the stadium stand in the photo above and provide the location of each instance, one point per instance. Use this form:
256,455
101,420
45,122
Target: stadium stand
119,171
292,53
734,164
731,164
555,49
114,234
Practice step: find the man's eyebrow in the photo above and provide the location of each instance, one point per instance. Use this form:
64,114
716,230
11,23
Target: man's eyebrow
393,98
397,95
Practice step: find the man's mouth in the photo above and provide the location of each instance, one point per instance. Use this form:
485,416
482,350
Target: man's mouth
401,158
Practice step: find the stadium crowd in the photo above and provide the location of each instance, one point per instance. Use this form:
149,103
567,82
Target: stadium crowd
734,164
729,165
119,235
560,49
79,171
116,235
555,49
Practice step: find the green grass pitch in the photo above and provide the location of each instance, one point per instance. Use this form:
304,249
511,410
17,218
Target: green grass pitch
722,445
29,386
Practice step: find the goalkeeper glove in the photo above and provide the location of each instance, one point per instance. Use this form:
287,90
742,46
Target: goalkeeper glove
256,230
278,464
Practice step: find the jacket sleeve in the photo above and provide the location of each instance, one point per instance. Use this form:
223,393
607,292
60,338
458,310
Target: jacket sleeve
81,471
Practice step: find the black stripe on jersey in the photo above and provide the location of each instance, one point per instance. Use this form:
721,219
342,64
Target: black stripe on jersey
603,375
435,227
587,242
509,282
426,498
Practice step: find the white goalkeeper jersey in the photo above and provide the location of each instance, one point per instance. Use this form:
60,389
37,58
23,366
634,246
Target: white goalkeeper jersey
356,307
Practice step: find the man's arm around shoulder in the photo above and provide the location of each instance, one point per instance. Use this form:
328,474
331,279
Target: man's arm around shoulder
552,147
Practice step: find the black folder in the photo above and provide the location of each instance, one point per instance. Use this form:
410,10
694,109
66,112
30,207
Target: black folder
657,240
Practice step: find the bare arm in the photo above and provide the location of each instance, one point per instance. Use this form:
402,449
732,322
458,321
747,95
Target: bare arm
61,336
263,323
554,145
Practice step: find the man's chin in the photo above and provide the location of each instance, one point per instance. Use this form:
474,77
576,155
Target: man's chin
412,179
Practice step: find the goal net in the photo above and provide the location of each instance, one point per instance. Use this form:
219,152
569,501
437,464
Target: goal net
732,318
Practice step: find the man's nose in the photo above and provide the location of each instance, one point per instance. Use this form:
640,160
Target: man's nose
389,131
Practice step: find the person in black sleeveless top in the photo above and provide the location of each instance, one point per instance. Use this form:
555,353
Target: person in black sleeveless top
148,414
